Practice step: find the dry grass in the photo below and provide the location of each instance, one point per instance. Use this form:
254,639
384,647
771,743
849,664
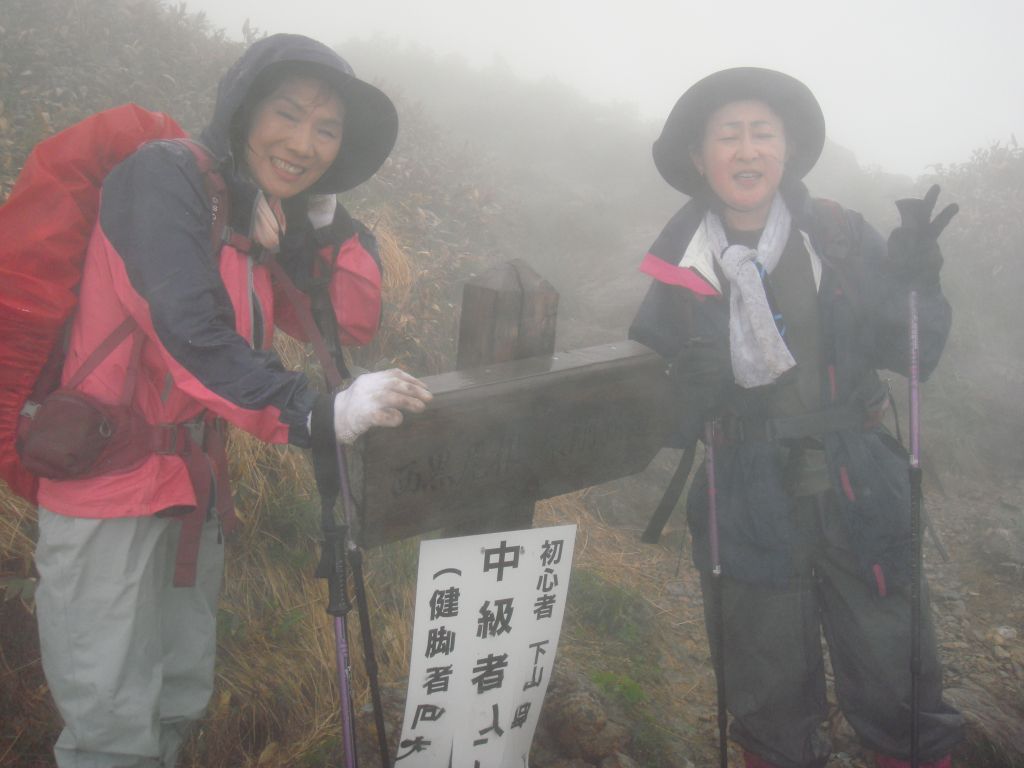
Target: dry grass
420,315
617,557
17,520
276,701
398,273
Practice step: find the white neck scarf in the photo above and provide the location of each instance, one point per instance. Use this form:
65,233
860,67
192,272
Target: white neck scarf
268,222
759,354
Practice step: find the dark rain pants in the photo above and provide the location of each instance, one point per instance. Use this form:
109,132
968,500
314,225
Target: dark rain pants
774,666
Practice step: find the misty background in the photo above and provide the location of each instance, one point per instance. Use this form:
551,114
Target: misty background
525,133
904,85
557,104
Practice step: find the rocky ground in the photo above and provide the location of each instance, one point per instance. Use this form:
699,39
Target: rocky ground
633,685
978,601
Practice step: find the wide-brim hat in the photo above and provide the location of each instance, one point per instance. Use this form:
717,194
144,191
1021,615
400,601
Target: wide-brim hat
371,128
684,129
371,120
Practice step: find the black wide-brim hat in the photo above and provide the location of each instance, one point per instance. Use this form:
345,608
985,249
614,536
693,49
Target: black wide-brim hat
684,129
371,128
371,121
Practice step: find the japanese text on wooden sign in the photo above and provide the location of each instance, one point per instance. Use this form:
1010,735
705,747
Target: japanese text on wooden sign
489,614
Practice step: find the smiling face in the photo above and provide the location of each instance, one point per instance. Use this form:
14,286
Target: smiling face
294,136
743,156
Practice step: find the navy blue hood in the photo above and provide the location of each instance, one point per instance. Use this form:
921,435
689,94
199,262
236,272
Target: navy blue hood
371,122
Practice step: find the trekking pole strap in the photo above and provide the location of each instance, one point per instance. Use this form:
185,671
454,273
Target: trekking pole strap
671,497
309,326
369,655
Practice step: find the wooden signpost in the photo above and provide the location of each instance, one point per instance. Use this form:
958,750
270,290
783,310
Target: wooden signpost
508,313
499,437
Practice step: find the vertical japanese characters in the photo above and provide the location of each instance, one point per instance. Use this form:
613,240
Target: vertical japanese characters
489,612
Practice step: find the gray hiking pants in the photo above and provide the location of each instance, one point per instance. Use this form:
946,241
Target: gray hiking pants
774,665
127,656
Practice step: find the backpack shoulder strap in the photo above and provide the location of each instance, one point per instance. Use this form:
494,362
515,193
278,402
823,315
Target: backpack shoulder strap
216,191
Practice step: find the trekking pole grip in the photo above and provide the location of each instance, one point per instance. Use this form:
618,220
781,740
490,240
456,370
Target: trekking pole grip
334,568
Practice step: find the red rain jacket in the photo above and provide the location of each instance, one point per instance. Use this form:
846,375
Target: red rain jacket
206,322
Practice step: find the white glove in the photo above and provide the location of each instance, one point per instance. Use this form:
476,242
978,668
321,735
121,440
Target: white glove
320,210
268,223
377,400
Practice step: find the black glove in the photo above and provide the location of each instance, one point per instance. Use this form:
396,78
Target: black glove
701,377
913,246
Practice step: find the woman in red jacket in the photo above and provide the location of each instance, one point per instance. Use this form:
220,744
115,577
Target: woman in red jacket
128,656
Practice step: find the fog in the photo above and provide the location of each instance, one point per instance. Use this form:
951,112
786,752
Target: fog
904,85
526,132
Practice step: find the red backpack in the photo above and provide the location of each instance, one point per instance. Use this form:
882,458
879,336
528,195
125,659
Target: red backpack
45,227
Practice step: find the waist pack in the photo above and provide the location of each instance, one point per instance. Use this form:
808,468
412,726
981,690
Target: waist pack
72,435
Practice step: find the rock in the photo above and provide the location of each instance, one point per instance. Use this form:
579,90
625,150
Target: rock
957,608
618,760
606,742
678,588
842,760
1006,633
581,728
989,722
578,717
1013,570
1002,545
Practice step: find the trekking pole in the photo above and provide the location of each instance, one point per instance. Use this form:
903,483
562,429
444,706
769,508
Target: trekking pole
915,532
718,617
355,559
338,606
333,568
340,552
340,549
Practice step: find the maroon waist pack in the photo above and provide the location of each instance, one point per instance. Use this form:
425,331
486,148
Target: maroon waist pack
74,435
65,434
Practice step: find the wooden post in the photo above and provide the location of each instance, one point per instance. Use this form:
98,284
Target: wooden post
508,313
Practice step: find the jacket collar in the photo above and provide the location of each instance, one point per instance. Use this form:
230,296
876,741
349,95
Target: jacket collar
699,254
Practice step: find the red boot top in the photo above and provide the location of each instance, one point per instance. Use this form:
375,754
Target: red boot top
755,761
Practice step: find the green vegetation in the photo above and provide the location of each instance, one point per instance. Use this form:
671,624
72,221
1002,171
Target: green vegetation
623,688
610,612
624,625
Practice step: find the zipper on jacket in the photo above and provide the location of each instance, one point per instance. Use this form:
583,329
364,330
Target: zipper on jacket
255,310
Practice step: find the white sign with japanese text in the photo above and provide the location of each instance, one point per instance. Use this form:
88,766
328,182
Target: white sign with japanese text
489,614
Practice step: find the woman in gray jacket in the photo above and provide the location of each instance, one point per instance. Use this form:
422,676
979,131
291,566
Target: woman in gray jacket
775,312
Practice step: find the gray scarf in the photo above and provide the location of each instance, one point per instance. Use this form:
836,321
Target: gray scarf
759,354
